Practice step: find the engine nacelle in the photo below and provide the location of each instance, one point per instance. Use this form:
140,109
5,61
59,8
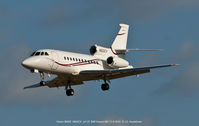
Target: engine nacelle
95,49
116,62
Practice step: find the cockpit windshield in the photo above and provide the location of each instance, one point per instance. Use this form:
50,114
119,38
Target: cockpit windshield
39,54
33,54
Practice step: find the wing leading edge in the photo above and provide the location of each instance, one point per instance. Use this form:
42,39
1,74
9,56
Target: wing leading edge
34,86
113,74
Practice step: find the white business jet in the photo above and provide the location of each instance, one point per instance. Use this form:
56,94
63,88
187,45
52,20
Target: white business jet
74,68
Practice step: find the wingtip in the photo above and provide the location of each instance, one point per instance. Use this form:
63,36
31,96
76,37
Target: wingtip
174,64
25,88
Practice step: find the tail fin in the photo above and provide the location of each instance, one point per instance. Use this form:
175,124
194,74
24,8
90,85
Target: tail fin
121,38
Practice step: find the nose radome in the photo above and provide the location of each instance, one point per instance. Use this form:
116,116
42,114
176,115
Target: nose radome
35,63
25,63
29,63
39,63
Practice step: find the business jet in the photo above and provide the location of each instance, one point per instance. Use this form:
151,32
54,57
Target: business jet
75,68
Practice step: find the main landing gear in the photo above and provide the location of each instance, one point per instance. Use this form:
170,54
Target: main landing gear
105,86
69,90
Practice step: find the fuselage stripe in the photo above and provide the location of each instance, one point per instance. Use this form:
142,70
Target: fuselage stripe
75,64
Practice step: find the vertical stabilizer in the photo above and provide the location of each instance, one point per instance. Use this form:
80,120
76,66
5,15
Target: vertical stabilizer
121,38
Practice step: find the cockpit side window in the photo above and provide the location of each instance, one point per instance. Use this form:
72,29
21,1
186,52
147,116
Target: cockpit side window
42,53
37,53
32,54
46,54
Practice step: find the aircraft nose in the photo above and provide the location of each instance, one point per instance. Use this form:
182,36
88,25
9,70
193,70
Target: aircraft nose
36,63
26,63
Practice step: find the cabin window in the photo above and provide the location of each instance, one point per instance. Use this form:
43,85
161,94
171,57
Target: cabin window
64,58
70,58
67,58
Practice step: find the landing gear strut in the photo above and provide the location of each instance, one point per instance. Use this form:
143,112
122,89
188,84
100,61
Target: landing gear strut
70,91
42,82
105,86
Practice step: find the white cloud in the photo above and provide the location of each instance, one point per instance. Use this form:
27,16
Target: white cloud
184,84
187,52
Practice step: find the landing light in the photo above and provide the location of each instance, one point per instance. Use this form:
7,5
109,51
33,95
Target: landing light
34,71
75,73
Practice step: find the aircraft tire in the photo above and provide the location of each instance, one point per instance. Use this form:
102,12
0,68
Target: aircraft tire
105,87
70,92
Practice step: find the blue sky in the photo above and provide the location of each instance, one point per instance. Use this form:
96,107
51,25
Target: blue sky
163,97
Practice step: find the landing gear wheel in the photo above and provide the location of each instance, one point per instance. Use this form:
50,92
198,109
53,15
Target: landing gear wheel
69,92
105,87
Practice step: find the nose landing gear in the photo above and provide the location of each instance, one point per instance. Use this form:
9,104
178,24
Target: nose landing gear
42,82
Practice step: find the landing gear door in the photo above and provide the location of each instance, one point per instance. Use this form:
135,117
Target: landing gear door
55,58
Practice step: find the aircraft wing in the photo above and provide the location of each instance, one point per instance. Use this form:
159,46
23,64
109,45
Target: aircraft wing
118,73
87,75
56,82
33,86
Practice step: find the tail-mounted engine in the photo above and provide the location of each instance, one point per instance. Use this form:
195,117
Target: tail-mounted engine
95,49
116,62
108,57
